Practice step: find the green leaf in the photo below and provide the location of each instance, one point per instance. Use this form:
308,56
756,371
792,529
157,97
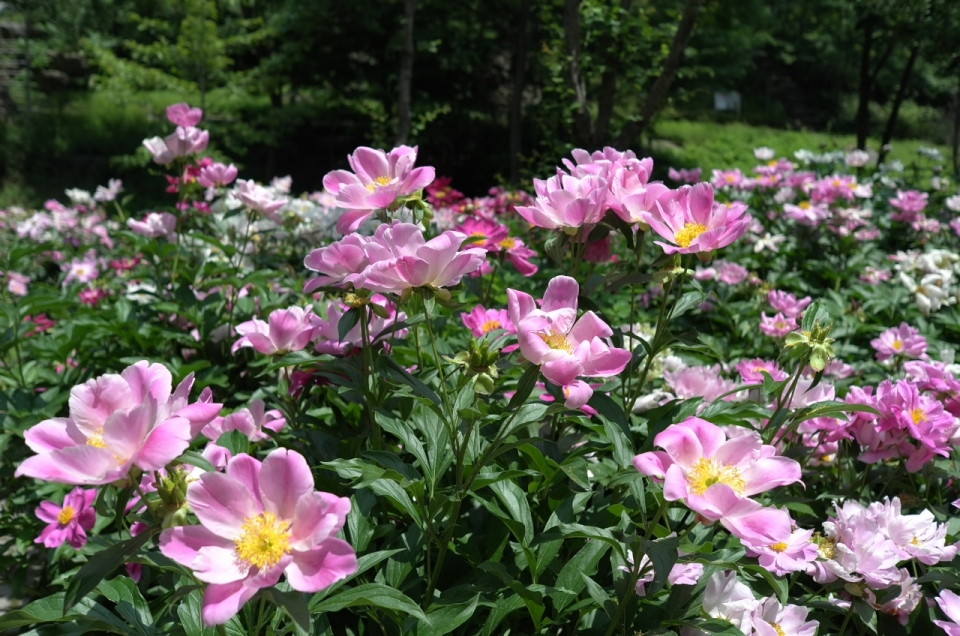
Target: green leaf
392,491
390,368
50,610
687,302
570,579
599,595
347,322
190,618
193,458
779,585
663,555
369,595
525,387
295,605
447,618
130,604
100,565
815,313
501,609
515,501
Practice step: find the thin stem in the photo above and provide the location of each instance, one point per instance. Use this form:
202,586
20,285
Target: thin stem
369,377
846,619
251,219
436,357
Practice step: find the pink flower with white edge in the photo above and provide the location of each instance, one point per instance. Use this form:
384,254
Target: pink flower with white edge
773,619
777,326
217,175
787,303
69,521
950,605
899,341
182,115
697,457
750,371
287,330
377,181
116,422
250,421
259,199
692,222
156,225
482,321
258,522
563,347
401,258
790,552
566,202
728,599
916,536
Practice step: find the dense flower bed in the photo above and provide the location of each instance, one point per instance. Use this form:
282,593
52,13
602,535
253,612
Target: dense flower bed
613,405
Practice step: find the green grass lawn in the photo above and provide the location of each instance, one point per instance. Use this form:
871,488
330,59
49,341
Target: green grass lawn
712,145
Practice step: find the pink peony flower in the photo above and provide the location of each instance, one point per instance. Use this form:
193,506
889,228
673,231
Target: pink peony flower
378,180
326,331
68,522
182,142
182,115
250,421
217,175
773,619
116,422
731,273
259,199
728,599
690,219
519,255
441,195
699,381
564,201
777,326
258,521
749,371
489,231
909,203
109,193
81,270
680,573
806,213
634,196
899,341
286,330
482,321
342,262
950,605
91,297
787,304
16,283
563,347
685,176
726,178
156,225
790,552
697,458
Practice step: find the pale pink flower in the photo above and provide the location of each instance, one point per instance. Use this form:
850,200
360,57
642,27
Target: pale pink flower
773,619
286,330
909,203
259,199
916,536
680,573
116,422
259,521
250,421
899,341
857,158
731,273
860,550
181,142
684,175
806,213
950,605
17,283
482,321
749,371
690,219
69,521
564,201
378,180
182,115
777,326
341,262
109,193
728,599
401,258
697,459
705,273
699,381
564,347
727,178
81,270
633,196
874,276
786,303
790,552
763,153
326,331
955,226
156,225
217,175
838,369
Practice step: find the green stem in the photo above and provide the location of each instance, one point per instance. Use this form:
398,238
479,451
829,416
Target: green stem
251,219
369,377
846,619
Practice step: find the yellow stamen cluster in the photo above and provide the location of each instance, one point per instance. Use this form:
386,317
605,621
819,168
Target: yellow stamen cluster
915,542
65,515
897,344
508,243
707,472
780,546
490,325
918,415
690,231
556,341
804,205
776,627
263,540
355,301
96,441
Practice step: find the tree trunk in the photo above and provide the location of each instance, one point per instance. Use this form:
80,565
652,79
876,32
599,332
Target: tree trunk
516,95
863,107
571,35
956,133
406,73
661,87
897,101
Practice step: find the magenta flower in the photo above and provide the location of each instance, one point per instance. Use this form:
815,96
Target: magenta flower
899,341
749,371
401,258
116,422
156,225
182,115
286,330
217,175
482,321
563,347
250,421
378,180
259,199
950,605
81,270
68,522
632,197
787,304
566,202
909,203
777,326
697,457
690,219
258,521
490,231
